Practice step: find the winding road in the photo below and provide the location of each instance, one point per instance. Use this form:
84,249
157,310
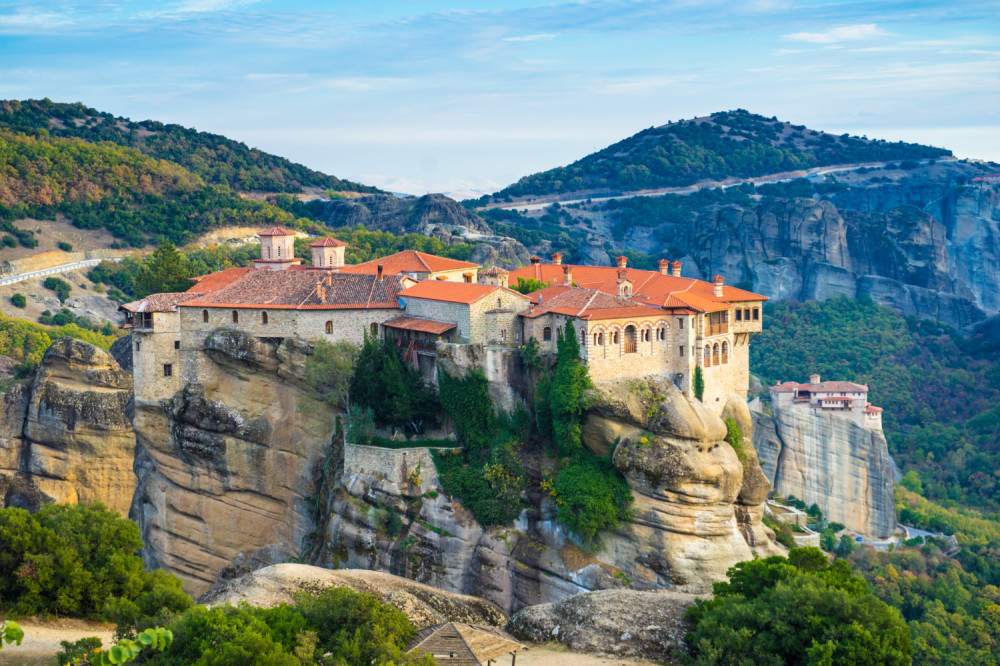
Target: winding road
53,270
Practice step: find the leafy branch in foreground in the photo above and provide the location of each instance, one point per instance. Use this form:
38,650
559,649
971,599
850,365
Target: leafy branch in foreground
126,651
11,632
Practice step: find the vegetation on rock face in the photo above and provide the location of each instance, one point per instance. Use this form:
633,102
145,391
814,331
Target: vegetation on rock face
393,389
330,370
729,143
26,342
698,382
799,610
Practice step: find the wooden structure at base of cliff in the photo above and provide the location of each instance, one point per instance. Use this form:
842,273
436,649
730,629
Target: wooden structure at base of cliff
459,644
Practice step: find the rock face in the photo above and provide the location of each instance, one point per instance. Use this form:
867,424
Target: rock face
69,438
612,623
697,512
828,460
228,467
424,605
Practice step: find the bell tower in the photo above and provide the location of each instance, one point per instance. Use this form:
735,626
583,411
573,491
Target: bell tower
277,249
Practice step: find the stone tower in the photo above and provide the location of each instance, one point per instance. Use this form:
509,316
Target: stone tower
328,253
277,249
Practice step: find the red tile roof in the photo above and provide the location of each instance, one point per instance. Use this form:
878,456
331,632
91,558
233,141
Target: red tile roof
304,290
871,409
586,304
494,270
166,302
821,387
276,231
409,261
213,281
328,242
452,292
649,287
420,324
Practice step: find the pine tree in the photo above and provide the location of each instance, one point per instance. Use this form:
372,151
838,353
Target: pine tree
698,383
166,271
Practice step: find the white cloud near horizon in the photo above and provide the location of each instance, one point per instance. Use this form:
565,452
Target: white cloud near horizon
844,33
530,38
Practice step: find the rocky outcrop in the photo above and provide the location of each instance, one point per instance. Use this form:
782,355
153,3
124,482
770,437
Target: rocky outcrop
424,605
612,623
697,511
829,460
227,468
68,438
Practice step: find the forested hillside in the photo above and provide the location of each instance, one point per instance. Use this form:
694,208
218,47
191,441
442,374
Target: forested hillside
729,143
216,159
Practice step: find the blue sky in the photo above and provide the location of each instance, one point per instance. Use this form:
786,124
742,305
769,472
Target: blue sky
430,95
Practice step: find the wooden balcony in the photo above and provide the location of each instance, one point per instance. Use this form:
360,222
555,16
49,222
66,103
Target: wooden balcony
716,329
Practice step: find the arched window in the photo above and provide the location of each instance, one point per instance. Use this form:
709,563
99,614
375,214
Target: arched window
263,318
600,339
630,339
725,352
204,315
546,334
236,317
715,354
614,338
661,333
708,356
499,304
329,328
374,329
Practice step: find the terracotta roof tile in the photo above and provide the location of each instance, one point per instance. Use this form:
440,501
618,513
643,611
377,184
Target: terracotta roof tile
166,302
305,290
586,304
276,231
409,261
328,242
650,287
420,324
452,292
213,281
494,270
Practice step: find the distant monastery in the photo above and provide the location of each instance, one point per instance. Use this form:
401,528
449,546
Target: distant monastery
845,399
631,323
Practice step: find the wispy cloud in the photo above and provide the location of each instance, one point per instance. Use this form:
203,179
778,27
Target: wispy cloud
530,38
203,6
844,33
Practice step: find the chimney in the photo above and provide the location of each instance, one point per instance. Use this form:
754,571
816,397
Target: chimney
717,289
664,267
675,269
622,261
535,260
380,272
567,275
814,379
557,259
321,292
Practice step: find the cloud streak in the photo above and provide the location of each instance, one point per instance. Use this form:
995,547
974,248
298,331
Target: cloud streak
844,33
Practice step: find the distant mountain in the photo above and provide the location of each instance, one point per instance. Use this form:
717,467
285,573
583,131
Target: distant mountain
216,159
729,143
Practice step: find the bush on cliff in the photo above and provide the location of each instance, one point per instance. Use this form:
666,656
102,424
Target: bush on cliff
76,560
393,389
799,610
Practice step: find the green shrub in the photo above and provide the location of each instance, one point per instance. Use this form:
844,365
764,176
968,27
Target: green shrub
58,285
8,241
698,383
64,246
782,532
799,610
392,389
72,560
592,496
467,401
77,649
19,301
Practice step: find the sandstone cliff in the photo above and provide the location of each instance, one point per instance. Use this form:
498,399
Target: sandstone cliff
828,460
227,467
68,438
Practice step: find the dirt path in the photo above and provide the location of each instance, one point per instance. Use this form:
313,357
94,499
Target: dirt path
556,655
42,640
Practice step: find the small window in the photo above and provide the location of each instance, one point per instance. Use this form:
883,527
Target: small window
268,251
374,329
279,252
739,314
663,333
263,318
600,339
168,370
614,338
503,335
236,317
329,328
680,323
680,350
756,314
137,345
546,334
204,315
499,304
177,344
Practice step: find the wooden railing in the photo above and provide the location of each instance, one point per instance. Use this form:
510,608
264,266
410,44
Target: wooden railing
630,347
716,329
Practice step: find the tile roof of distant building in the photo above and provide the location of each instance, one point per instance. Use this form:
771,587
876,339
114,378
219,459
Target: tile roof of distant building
494,270
586,304
452,292
328,242
821,387
650,287
218,280
871,409
276,231
409,261
305,290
